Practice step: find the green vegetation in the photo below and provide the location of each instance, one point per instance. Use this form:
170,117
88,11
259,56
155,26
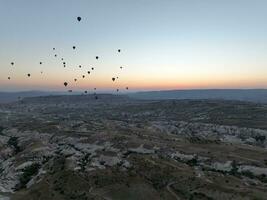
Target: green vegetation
28,173
192,162
234,170
13,142
260,138
1,130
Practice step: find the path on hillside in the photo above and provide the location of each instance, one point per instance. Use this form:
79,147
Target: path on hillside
171,191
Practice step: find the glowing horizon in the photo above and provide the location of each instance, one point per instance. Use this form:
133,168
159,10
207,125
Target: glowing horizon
165,45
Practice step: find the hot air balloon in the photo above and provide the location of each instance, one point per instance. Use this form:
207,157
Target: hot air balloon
79,18
54,49
55,55
85,92
65,84
12,63
64,63
113,79
28,75
88,72
8,78
119,50
92,68
117,90
127,88
74,47
80,66
96,57
83,76
75,79
121,67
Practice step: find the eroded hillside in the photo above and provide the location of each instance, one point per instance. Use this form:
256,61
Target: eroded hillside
118,148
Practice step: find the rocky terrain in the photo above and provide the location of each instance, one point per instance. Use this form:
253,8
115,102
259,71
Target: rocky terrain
77,147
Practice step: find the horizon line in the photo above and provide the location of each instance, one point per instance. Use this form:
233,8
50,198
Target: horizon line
133,91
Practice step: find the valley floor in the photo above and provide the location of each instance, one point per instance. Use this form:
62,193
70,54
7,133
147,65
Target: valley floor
119,148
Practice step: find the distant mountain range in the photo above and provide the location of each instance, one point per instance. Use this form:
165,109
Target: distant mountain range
252,95
6,97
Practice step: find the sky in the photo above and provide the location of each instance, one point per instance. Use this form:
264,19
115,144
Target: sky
165,44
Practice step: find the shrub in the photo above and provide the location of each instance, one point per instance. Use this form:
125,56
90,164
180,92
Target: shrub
13,142
28,173
260,138
1,130
234,170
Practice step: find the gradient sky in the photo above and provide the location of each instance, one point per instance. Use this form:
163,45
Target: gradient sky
166,44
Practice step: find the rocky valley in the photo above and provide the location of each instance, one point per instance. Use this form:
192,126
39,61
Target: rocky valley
115,147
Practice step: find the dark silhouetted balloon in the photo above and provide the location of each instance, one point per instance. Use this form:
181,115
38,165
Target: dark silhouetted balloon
75,79
85,92
54,49
94,88
121,67
119,50
8,78
65,84
113,79
80,66
62,59
55,55
64,63
96,57
127,88
28,75
92,68
88,72
74,47
79,18
12,63
83,76
117,90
